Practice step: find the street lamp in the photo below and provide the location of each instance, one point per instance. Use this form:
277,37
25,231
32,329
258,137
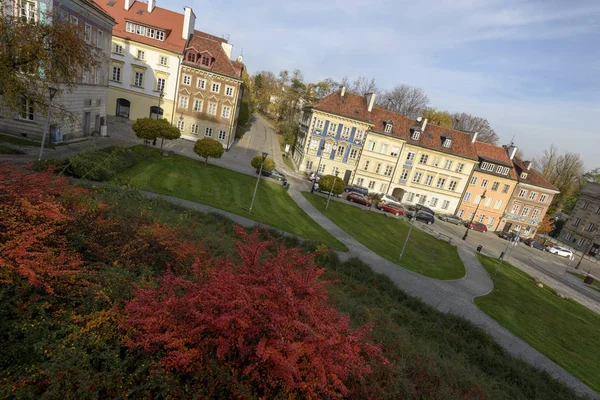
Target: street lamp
412,220
594,233
318,168
331,190
52,93
264,157
160,96
474,214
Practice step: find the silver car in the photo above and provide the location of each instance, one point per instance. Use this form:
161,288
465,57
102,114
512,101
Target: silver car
453,219
561,251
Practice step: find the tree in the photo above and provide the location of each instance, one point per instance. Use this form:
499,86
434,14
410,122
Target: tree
361,85
208,147
37,55
471,123
546,226
592,176
563,170
326,182
150,129
408,100
262,325
269,164
439,118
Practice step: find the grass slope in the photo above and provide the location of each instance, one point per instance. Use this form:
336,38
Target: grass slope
563,330
228,190
424,254
24,142
4,149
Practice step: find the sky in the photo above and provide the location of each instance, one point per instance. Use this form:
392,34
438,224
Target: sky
532,68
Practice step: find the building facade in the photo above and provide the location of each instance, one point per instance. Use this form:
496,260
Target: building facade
490,186
87,101
581,231
210,90
529,202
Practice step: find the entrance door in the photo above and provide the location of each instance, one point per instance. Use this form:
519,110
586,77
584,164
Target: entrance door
507,227
97,123
398,193
86,123
347,176
156,112
123,106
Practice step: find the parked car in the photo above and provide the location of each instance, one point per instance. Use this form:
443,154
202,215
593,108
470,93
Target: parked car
391,208
315,176
386,198
273,174
561,251
510,236
453,219
476,226
418,207
421,216
358,198
534,243
358,189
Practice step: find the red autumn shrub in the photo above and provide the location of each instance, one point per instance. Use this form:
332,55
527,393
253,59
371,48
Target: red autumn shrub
265,324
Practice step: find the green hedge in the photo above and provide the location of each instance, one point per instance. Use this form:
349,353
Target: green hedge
102,165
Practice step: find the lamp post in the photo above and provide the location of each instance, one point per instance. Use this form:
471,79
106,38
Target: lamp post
264,157
312,189
53,92
594,233
412,220
331,190
474,214
160,96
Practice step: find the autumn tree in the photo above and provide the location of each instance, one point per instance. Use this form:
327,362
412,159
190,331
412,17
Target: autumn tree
404,99
471,123
260,327
208,148
326,182
438,117
268,165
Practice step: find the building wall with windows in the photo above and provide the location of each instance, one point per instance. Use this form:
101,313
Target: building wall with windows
581,231
378,161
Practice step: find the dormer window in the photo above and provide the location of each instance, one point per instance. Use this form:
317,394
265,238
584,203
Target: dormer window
415,135
205,61
486,166
191,57
523,175
388,128
447,143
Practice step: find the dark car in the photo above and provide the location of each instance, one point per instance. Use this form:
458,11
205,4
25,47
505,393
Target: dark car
421,216
274,174
418,207
391,208
453,219
534,243
510,236
476,226
358,198
358,189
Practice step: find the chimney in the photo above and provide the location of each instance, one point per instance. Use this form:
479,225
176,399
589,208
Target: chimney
474,138
424,125
528,165
151,5
189,22
227,48
512,150
128,4
343,91
370,101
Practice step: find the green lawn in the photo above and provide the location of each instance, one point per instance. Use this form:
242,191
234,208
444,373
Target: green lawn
384,235
595,285
4,149
228,190
561,329
24,142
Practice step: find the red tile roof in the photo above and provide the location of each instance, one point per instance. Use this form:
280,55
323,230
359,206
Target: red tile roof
497,154
223,65
533,177
97,6
169,21
209,36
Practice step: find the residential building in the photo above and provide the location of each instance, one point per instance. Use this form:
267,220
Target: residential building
147,51
494,177
87,100
581,231
209,91
529,201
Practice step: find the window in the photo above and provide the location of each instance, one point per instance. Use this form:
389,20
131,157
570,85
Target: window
229,91
461,213
474,181
197,105
484,183
140,30
498,204
377,168
72,19
477,199
585,205
85,77
436,161
505,188
424,158
194,129
208,132
87,33
314,143
523,175
481,218
187,80
598,210
488,202
433,202
163,60
395,151
569,236
205,61
383,148
226,112
415,135
448,164
160,84
27,111
215,88
467,197
536,213
309,165
222,134
581,242
181,125
502,170
183,102
371,184
445,204
332,129
371,145
447,143
590,227
383,187
340,151
486,166
322,168
460,167
404,174
359,135
417,177
388,170
97,76
141,55
495,186
150,32
522,193
388,128
543,198
471,215
100,39
130,27
360,181
516,208
116,74
138,79
518,228
440,183
353,153
366,167
345,132
410,156
201,83
491,221
452,185
118,49
532,195
319,123
27,10
160,35
410,197
212,108
429,180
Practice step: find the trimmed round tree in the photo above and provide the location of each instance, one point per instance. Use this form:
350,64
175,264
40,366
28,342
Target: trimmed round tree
151,129
326,182
269,164
208,147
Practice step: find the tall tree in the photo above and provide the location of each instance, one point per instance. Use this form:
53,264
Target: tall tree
404,99
472,123
563,170
438,117
361,85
